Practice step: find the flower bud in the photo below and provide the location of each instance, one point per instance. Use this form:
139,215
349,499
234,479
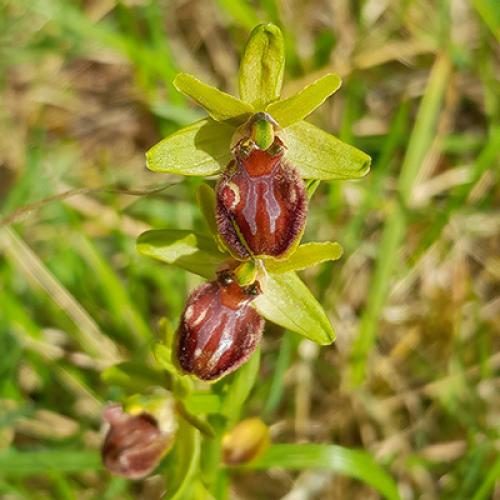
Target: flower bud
261,202
248,440
219,328
134,444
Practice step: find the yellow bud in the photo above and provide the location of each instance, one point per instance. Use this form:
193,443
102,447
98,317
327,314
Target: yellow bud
245,442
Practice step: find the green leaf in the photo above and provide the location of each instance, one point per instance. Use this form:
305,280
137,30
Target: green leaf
193,252
239,388
24,463
181,463
262,66
354,463
319,155
202,148
296,108
219,105
287,301
306,255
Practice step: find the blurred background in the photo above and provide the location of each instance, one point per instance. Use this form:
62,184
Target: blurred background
413,377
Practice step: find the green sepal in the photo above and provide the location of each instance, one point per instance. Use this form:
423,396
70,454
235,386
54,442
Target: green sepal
319,155
262,66
306,255
193,252
288,302
220,106
202,148
296,108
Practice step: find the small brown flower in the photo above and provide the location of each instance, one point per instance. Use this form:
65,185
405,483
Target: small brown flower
261,202
219,328
134,444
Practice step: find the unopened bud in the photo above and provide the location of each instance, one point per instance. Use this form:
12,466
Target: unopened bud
247,441
134,443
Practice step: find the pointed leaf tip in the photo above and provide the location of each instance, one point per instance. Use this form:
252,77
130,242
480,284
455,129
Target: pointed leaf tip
262,66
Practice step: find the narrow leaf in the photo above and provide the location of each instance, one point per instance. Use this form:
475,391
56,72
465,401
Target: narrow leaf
354,463
25,463
182,462
202,148
319,155
193,252
287,301
296,108
306,255
262,66
239,389
219,105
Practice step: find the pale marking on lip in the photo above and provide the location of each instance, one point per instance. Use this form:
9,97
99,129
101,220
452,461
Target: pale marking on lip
200,317
236,192
226,340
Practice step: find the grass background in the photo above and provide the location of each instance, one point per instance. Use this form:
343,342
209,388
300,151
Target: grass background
86,88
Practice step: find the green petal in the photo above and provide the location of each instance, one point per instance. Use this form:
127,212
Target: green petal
219,105
202,148
306,255
297,107
193,252
262,66
287,301
319,155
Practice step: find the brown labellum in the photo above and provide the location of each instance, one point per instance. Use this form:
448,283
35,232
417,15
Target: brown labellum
261,202
219,328
134,444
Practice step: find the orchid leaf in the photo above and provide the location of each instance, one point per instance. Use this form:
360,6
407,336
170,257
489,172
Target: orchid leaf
319,155
287,302
202,148
306,255
219,105
262,66
182,462
296,108
193,252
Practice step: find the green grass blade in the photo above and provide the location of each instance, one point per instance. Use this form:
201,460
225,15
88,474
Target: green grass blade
394,229
24,463
354,463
